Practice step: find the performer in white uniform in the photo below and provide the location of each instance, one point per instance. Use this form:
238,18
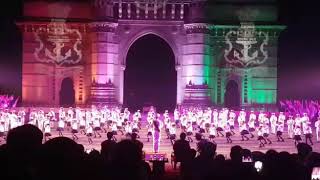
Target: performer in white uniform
251,123
47,129
260,136
297,135
232,118
308,134
227,130
89,132
243,130
317,126
212,133
74,130
290,124
60,126
280,128
273,122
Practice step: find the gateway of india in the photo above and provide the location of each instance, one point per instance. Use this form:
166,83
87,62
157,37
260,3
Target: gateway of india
225,51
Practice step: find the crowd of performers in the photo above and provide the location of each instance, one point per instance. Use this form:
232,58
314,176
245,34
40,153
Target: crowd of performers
211,122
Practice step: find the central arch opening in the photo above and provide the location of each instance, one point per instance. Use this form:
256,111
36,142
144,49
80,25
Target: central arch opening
150,77
232,95
67,93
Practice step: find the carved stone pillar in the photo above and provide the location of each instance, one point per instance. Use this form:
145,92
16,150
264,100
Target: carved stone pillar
180,85
197,62
104,63
121,82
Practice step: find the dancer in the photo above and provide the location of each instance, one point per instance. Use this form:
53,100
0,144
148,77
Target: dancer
243,130
266,132
135,128
317,126
227,130
251,123
308,134
96,126
74,130
280,128
82,123
119,122
273,122
212,133
297,135
260,136
172,131
114,130
2,131
221,124
47,130
231,120
69,118
89,131
149,134
128,129
290,124
60,126
189,131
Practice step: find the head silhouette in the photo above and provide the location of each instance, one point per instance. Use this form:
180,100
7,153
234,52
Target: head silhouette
183,136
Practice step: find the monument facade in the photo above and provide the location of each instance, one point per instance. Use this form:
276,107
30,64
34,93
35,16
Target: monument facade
224,50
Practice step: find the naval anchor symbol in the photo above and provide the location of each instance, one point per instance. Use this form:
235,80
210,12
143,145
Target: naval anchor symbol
58,44
246,50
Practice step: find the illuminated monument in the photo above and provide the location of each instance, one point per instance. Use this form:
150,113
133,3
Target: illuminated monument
225,50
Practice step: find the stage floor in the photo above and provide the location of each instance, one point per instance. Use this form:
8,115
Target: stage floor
222,146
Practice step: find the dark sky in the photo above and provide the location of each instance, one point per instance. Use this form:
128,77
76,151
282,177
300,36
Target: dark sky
299,49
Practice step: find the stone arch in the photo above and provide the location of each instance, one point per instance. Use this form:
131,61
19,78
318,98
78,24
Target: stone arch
136,97
130,41
67,92
232,97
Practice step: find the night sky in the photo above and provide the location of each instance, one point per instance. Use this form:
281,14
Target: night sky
299,49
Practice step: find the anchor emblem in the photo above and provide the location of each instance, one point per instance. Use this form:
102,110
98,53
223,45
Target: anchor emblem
245,50
58,44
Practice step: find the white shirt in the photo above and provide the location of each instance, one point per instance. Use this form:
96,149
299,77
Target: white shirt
212,131
260,132
243,127
89,130
47,129
61,124
280,127
297,131
172,130
317,124
74,126
2,128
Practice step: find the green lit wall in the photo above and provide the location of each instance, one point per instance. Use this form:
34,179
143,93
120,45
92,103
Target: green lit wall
257,84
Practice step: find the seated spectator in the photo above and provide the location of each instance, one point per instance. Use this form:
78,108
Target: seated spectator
134,138
107,147
204,162
22,152
127,162
181,148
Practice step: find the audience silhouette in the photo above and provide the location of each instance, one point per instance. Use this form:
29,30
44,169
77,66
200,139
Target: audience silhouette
25,157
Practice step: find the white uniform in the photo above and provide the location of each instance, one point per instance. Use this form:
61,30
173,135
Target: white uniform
290,124
317,126
273,122
47,129
61,124
212,131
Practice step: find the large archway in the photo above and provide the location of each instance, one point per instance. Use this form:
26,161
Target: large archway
232,95
150,77
67,93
